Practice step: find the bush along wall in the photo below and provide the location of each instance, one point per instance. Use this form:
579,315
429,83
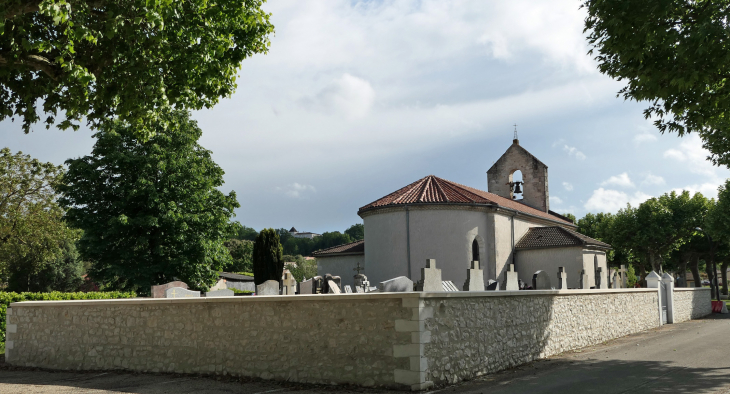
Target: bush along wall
7,297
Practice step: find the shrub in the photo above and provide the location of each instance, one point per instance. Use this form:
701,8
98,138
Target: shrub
7,297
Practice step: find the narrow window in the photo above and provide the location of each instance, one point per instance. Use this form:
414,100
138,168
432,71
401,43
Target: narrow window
475,250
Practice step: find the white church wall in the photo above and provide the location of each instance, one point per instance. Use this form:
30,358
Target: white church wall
447,236
342,266
504,241
549,259
386,256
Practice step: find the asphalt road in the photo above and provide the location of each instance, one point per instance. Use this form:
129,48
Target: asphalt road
690,357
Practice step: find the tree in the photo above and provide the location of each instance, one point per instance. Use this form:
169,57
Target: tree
356,232
268,262
63,273
241,256
129,59
570,217
32,230
673,54
241,232
718,226
302,268
150,209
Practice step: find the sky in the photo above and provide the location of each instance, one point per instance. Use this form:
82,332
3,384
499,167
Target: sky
357,99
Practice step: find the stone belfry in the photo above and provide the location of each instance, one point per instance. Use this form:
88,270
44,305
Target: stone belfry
534,176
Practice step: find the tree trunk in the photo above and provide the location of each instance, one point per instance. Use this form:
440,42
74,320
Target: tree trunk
642,275
723,275
694,267
655,262
711,277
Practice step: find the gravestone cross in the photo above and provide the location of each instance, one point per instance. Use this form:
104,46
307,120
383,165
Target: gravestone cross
358,268
584,280
599,276
624,277
474,278
430,277
288,284
562,279
511,281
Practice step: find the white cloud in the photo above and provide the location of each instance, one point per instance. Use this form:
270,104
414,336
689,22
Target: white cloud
556,200
674,154
644,137
296,190
621,180
607,200
348,95
708,190
653,180
573,151
568,186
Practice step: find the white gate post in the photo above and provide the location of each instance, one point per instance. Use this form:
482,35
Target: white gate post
669,296
652,282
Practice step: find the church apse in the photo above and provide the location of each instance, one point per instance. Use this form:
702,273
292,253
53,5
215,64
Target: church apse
534,184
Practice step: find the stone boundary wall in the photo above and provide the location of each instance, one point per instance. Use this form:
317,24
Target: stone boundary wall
691,303
378,339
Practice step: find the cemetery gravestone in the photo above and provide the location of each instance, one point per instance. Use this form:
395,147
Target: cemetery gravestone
511,281
270,287
159,290
359,289
288,284
583,280
448,285
348,289
220,293
179,292
492,285
220,285
541,281
562,279
615,282
624,277
399,284
599,276
474,278
430,277
306,287
333,288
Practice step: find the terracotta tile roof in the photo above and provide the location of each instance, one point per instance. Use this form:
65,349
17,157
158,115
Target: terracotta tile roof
435,190
555,236
357,247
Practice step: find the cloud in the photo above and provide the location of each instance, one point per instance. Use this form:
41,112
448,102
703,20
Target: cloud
607,200
674,154
653,180
348,95
573,151
644,137
621,180
568,186
708,190
555,200
296,190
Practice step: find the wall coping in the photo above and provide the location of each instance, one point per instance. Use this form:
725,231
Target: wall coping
325,297
692,289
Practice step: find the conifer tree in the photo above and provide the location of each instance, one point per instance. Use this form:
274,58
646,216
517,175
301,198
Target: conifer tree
268,263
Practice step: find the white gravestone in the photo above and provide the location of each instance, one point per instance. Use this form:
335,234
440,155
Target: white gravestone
305,287
359,289
270,287
474,278
492,285
562,279
348,289
288,284
541,281
511,281
448,285
333,288
583,280
220,293
399,284
430,277
179,292
624,280
615,283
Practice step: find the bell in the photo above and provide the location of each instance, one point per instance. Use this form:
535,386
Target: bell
517,188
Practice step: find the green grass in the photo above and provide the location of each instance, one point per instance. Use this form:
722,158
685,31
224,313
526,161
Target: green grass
237,291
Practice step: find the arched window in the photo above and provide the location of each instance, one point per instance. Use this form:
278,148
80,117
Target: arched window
517,177
474,250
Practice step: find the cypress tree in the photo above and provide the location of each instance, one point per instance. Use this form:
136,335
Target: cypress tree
268,263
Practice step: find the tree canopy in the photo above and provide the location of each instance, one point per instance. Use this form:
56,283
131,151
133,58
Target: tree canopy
356,231
673,54
129,59
150,209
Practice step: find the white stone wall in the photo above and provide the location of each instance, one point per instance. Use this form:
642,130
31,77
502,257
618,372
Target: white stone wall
691,303
342,266
504,240
472,336
531,260
386,253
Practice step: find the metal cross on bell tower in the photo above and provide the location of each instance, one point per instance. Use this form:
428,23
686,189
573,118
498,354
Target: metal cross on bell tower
515,139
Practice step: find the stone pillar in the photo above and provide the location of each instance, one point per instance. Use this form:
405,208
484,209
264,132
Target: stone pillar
474,278
652,282
562,279
511,281
417,373
669,296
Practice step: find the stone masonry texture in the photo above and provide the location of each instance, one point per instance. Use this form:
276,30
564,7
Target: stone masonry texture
691,303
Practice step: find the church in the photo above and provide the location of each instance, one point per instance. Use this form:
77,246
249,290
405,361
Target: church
433,218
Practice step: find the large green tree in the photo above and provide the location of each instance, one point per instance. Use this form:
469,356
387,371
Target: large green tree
150,209
718,226
673,54
32,231
356,231
125,59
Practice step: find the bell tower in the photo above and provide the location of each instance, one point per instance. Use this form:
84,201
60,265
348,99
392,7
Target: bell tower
534,185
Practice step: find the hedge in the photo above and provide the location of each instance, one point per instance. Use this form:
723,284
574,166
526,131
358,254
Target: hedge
6,298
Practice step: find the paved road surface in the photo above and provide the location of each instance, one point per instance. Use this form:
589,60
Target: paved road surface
690,357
